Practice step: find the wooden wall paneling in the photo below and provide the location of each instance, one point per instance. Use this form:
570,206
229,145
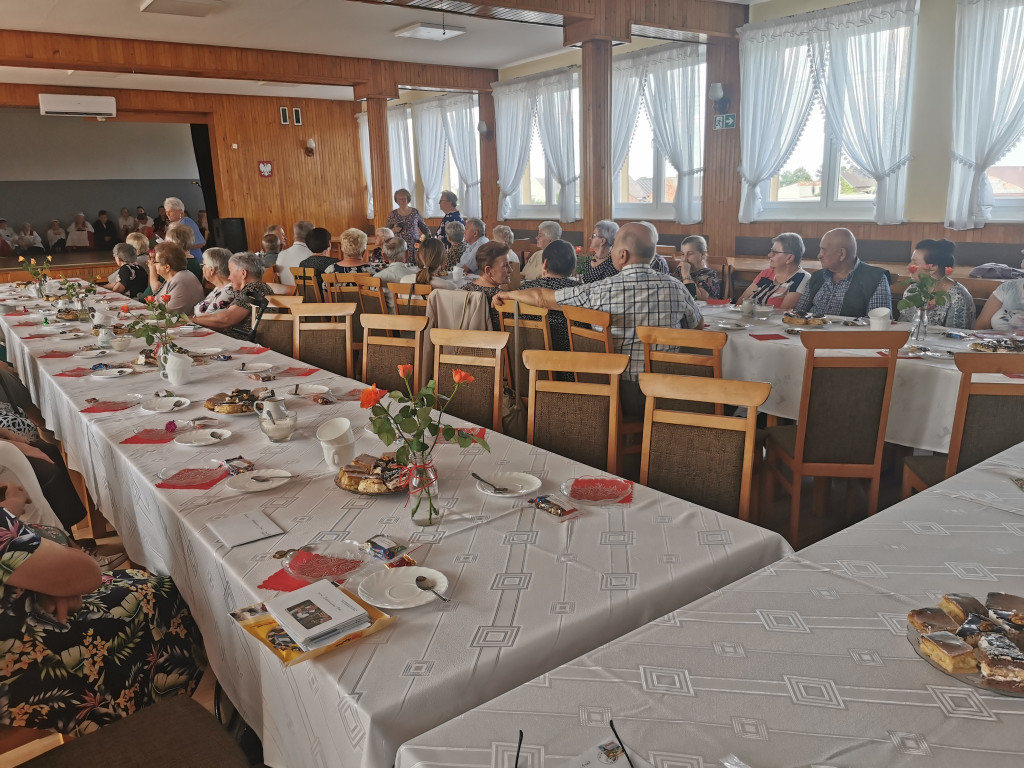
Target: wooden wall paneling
596,132
702,16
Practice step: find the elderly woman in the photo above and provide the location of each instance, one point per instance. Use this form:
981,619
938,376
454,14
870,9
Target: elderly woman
182,235
56,237
353,249
935,258
547,232
169,263
456,232
557,269
79,234
449,205
503,234
784,281
28,240
406,222
377,256
131,278
244,272
492,266
176,215
700,280
600,265
215,272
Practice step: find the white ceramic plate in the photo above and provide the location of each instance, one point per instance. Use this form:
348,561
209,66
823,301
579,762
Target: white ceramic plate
518,483
306,389
943,355
207,352
90,353
396,587
253,368
247,482
728,325
165,404
111,373
201,438
74,335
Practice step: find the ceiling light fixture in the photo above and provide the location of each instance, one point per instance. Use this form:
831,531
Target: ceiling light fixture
181,7
425,31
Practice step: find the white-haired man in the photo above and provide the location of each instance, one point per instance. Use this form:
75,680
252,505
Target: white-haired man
175,210
476,236
294,254
547,233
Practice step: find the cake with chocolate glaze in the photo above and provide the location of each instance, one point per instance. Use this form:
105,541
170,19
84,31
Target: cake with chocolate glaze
949,652
960,606
926,620
1007,611
1002,662
235,402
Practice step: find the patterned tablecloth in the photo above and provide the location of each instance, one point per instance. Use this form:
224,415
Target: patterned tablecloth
805,663
924,392
528,593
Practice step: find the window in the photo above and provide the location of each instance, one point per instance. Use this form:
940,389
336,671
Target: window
1007,180
539,194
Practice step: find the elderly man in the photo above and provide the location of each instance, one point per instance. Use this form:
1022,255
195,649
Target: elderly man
844,285
547,233
636,296
449,205
176,214
476,235
295,254
244,272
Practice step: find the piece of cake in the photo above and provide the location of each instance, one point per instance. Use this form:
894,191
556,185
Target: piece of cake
351,476
795,318
949,652
959,606
926,620
1002,662
1007,611
974,626
364,461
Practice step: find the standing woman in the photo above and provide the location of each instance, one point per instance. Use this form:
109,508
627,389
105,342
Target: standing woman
600,265
700,280
406,222
935,258
784,281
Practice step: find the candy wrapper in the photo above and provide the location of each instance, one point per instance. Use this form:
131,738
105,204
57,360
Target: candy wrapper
238,465
558,506
262,376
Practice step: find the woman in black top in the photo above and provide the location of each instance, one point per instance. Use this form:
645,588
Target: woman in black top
132,278
558,261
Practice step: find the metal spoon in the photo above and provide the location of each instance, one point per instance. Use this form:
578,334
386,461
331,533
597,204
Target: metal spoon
428,586
488,482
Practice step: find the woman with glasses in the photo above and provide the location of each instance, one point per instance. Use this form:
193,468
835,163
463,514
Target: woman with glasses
182,288
600,265
697,277
215,272
783,282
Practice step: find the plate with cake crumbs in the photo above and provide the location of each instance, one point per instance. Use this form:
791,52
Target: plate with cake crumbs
980,644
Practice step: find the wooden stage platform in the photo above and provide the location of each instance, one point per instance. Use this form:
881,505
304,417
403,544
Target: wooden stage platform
84,264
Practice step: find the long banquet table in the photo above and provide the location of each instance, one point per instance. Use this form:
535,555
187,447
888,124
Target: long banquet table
528,593
804,663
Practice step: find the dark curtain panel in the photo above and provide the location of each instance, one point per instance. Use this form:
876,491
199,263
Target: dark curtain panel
204,160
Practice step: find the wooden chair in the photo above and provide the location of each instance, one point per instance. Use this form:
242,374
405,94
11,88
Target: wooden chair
280,289
576,419
347,288
273,331
383,353
269,275
325,344
410,298
706,458
284,303
844,409
989,418
589,329
724,267
478,353
515,278
371,293
693,353
534,333
307,284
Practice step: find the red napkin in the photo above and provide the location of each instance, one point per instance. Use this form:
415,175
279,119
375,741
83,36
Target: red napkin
601,489
351,396
194,479
479,432
319,567
55,353
282,581
718,302
17,313
75,373
107,406
149,437
194,335
768,336
34,336
296,370
26,324
1014,375
251,350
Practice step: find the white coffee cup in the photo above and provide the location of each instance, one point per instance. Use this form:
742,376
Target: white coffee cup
880,319
338,442
457,273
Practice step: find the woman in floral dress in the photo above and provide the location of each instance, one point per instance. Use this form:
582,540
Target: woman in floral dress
404,221
80,649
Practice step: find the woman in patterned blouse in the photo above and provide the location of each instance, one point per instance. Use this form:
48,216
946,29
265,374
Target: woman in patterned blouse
215,272
700,280
404,221
600,265
935,257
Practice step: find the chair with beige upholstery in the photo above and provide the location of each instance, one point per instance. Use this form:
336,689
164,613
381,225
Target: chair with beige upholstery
477,353
274,330
327,343
989,418
410,298
383,353
307,284
576,419
692,353
589,329
371,293
534,333
345,287
706,458
844,409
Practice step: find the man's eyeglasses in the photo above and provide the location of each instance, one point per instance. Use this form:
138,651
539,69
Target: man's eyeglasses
773,252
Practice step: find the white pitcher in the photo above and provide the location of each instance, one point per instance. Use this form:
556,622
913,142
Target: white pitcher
338,442
271,407
177,367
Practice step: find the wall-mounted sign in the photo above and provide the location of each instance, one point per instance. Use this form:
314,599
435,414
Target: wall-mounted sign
284,115
723,122
266,169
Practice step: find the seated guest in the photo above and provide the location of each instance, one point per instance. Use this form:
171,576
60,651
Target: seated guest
476,238
140,243
56,237
547,231
319,243
636,296
28,241
169,263
282,238
160,222
698,278
558,265
382,235
79,234
182,235
215,272
394,250
132,278
492,266
353,249
143,223
456,232
600,265
503,234
935,258
244,272
83,649
844,285
271,249
291,256
1004,310
783,282
127,223
449,205
430,255
6,233
106,231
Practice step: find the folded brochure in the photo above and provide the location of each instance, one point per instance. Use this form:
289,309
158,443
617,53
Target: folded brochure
241,529
316,614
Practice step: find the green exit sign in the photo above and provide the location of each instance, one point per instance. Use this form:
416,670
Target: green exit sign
723,122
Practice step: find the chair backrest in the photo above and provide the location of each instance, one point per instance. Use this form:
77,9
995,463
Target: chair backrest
523,248
342,287
706,458
479,354
325,344
989,416
579,420
269,275
688,353
371,293
273,331
284,302
844,401
383,353
280,289
410,298
307,284
589,331
515,278
534,333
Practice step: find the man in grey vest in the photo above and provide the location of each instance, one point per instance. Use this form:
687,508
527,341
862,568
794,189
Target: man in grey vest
844,285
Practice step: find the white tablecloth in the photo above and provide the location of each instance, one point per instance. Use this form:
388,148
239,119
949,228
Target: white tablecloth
805,663
528,593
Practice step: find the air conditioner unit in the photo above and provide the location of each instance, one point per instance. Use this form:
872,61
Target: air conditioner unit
71,105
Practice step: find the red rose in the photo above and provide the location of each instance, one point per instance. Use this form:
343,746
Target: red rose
124,307
150,299
165,298
949,270
405,371
912,269
371,396
461,377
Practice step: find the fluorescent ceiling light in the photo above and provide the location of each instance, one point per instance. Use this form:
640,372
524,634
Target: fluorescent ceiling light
180,7
427,31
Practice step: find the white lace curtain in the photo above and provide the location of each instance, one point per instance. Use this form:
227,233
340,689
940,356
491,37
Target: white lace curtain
400,149
460,117
988,103
364,155
558,127
431,152
514,105
627,87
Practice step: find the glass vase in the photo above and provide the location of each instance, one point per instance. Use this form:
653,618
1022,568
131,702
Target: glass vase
37,289
919,325
423,490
